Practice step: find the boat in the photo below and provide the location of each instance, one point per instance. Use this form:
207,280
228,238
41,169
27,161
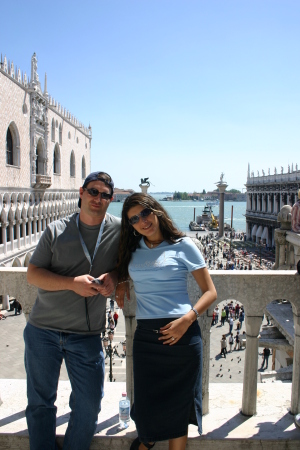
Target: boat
194,226
213,203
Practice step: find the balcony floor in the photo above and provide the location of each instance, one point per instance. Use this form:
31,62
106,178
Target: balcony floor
224,427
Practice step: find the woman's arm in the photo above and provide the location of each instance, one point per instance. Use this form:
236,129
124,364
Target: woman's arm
174,330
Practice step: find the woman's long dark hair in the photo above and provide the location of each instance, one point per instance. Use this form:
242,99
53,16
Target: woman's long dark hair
129,242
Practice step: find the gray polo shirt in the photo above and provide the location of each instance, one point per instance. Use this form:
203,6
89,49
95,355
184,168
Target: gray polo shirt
60,251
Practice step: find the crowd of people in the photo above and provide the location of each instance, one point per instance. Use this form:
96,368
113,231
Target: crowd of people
229,314
218,254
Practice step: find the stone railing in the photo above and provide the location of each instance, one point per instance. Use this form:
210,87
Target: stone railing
255,290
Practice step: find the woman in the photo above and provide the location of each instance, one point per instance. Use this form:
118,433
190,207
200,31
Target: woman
167,348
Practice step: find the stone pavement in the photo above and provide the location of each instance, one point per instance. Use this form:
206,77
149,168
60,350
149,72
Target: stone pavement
12,349
229,370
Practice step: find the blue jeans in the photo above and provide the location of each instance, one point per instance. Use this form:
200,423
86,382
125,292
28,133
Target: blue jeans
83,355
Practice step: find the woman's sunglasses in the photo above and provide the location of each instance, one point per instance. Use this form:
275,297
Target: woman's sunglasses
144,213
94,193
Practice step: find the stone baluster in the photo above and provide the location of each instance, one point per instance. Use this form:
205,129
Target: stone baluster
253,325
24,231
34,228
19,222
30,230
295,401
4,236
11,234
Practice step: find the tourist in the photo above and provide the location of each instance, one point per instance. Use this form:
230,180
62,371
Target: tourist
242,317
223,317
230,341
237,341
223,346
266,354
167,341
230,324
116,317
68,317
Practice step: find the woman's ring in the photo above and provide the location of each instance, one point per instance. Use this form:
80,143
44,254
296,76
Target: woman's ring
173,339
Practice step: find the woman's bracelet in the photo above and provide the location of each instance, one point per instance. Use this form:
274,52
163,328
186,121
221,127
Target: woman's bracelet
196,312
120,282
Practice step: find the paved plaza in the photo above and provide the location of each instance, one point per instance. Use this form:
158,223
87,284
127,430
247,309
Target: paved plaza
229,370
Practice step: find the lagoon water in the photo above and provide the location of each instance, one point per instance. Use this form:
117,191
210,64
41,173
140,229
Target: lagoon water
183,212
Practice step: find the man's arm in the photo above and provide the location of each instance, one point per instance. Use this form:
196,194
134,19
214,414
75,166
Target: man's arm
49,281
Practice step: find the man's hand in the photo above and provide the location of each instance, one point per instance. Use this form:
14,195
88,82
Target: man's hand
83,286
108,286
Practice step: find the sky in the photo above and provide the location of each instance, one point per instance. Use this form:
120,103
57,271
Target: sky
175,90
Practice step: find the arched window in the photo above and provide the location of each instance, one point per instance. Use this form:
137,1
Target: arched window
69,135
60,134
40,161
83,171
9,148
72,164
56,160
53,131
12,145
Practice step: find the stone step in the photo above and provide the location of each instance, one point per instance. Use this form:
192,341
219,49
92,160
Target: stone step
272,428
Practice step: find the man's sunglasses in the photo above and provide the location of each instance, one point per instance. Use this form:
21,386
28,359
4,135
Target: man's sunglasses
144,213
94,193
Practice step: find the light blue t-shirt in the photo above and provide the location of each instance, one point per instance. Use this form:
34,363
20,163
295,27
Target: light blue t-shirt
160,278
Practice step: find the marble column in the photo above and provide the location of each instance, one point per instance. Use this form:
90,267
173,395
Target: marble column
19,223
280,242
295,402
11,235
221,186
251,365
4,236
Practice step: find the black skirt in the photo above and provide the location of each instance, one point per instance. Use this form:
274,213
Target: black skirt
167,382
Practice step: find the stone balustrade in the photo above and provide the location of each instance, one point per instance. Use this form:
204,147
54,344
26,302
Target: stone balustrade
255,290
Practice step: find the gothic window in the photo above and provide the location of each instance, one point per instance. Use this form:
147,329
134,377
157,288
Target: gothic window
40,164
77,140
69,135
56,160
9,148
53,131
12,145
60,134
83,170
72,164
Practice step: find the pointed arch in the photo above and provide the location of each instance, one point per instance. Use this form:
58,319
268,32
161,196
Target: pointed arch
56,160
83,168
72,164
12,145
40,159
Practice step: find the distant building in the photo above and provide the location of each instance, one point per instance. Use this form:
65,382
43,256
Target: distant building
266,194
121,194
44,158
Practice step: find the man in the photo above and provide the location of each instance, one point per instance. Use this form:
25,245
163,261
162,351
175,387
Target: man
266,354
70,314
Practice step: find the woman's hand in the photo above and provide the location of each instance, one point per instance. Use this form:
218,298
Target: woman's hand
122,289
173,331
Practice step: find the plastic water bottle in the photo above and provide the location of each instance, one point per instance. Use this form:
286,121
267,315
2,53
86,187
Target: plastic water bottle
124,411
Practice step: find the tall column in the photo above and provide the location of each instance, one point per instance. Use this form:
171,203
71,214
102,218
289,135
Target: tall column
221,185
251,364
295,402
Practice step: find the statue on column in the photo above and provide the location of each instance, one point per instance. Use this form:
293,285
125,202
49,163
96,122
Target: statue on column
144,185
296,215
